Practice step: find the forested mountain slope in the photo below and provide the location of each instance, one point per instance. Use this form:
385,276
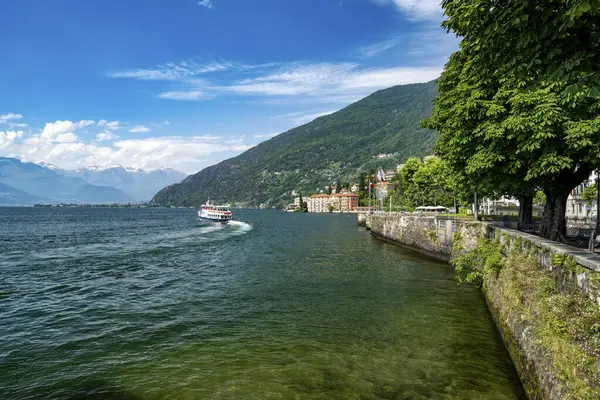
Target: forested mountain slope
329,149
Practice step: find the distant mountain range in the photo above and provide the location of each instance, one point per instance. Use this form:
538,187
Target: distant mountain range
23,183
140,184
10,196
379,131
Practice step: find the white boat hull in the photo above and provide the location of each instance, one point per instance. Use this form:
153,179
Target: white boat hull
214,213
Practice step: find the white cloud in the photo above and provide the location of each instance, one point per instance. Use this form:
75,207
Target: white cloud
139,129
62,131
183,95
299,118
68,137
6,117
383,78
266,135
173,71
106,136
18,125
294,79
84,123
378,48
341,83
417,9
61,147
8,138
206,3
113,125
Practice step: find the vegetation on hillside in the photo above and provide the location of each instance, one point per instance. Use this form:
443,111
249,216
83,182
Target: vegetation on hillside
333,148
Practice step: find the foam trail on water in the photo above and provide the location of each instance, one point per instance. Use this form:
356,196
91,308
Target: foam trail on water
129,245
242,226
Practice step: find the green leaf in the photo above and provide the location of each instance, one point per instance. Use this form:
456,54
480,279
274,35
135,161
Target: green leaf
584,6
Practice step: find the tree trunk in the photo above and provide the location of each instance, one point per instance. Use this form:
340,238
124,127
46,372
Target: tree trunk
525,212
554,224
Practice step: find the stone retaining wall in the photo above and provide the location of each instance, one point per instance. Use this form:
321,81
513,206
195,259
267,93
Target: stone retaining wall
576,275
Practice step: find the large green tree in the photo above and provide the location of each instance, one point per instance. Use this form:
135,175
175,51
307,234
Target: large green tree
519,104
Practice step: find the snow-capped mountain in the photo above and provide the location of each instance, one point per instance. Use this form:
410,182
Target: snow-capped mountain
140,184
24,183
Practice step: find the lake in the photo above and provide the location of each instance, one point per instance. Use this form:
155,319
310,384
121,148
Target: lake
151,304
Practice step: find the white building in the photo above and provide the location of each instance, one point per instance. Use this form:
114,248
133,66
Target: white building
576,206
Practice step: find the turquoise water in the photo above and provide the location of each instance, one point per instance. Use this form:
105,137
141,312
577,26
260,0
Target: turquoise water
149,304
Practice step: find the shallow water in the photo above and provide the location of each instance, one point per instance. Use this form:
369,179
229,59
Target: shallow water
151,304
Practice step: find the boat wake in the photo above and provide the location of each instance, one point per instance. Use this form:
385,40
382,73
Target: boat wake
196,236
242,226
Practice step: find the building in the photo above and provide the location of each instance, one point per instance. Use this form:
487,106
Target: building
355,188
383,189
389,175
576,206
344,201
318,203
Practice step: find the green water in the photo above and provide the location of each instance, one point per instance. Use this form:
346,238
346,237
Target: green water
150,304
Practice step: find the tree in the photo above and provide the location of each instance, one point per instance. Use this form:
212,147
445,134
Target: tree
361,184
407,173
590,194
519,103
539,199
329,189
432,182
338,188
425,183
303,205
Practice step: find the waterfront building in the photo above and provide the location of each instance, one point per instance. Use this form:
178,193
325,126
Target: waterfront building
319,203
344,201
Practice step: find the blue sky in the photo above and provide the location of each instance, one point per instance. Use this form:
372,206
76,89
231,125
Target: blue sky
188,83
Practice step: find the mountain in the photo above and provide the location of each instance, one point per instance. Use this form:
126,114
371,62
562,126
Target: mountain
49,185
140,184
329,149
38,180
93,194
10,196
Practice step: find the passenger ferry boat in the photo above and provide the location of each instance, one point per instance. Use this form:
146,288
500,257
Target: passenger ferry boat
213,213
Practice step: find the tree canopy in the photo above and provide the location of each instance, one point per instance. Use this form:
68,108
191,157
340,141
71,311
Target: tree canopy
427,182
519,103
590,194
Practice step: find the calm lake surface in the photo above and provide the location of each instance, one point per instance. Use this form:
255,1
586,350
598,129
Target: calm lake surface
150,304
